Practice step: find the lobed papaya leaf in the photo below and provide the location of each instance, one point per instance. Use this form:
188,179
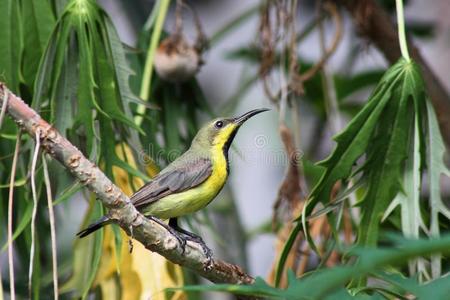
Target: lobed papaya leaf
330,283
390,151
436,168
380,134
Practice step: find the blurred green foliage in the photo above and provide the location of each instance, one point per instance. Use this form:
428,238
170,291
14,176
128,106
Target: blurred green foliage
65,59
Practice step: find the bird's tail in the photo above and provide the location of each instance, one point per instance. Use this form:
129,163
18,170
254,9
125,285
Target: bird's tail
94,226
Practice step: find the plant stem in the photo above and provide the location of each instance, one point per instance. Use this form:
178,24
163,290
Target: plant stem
51,217
34,213
401,30
3,110
12,291
148,69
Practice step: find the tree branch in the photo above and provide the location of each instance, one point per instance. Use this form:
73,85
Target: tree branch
375,24
153,236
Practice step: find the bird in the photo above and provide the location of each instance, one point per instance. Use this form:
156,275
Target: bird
189,183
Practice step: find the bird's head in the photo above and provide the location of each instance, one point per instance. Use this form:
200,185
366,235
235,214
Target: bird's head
220,132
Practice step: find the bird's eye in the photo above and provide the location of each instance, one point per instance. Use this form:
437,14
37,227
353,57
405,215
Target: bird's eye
219,124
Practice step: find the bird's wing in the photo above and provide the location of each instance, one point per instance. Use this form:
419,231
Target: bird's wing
177,179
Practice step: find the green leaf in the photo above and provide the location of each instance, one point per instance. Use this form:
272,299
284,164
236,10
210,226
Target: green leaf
351,144
17,183
330,283
390,150
118,244
65,81
380,132
45,69
346,85
171,130
86,94
260,288
67,193
436,167
10,44
38,22
108,90
86,256
23,223
285,252
96,252
409,197
129,169
383,171
436,289
122,70
36,276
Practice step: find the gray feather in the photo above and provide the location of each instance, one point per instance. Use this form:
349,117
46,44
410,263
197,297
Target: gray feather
183,174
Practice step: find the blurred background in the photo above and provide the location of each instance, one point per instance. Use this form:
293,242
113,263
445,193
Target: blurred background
257,173
246,223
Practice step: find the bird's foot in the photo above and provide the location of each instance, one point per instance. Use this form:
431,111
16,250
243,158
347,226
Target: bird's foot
173,222
181,239
208,253
183,236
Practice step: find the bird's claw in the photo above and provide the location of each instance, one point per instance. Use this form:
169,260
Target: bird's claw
172,231
208,253
206,250
183,246
209,257
181,240
208,264
183,236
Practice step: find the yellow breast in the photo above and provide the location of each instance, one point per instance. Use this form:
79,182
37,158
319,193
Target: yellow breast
194,199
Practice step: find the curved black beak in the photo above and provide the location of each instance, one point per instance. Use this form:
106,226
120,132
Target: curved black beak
240,120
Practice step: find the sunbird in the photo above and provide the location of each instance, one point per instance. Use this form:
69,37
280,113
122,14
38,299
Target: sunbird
190,182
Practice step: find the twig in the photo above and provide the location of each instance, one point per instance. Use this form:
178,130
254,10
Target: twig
329,89
12,290
3,111
201,41
51,216
153,236
331,8
35,205
296,81
294,67
178,18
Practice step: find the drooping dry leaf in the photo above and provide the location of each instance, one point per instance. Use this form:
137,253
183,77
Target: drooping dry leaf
140,274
